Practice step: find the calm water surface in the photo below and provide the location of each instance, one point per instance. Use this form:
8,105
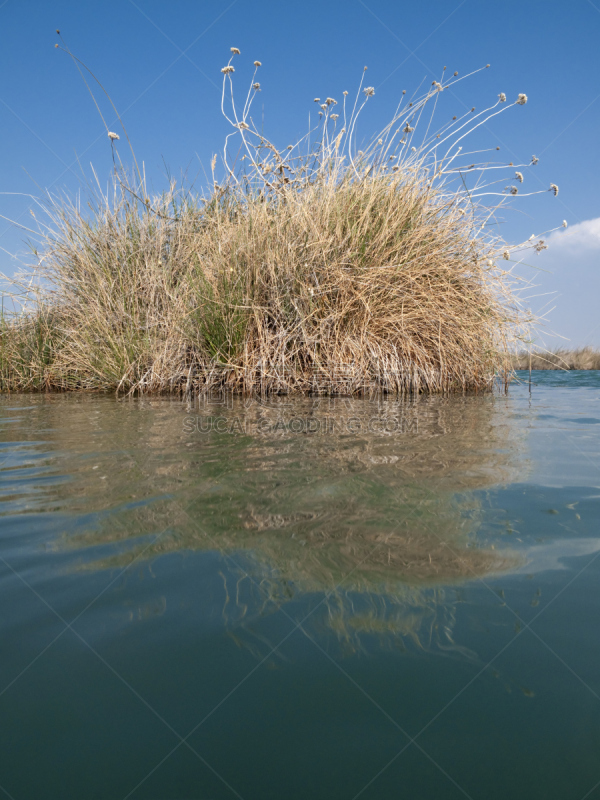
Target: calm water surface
324,599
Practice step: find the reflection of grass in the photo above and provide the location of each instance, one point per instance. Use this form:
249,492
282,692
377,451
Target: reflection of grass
425,540
410,616
382,509
390,589
375,522
424,619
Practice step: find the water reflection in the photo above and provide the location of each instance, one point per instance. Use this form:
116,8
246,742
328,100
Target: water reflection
370,504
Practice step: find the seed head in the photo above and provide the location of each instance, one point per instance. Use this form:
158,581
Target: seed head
564,224
438,86
506,255
453,117
345,94
324,106
502,97
334,116
258,63
521,100
487,66
369,91
455,74
413,149
112,136
235,51
256,86
473,109
554,188
317,99
407,129
227,70
403,91
497,148
243,126
330,101
514,190
519,176
534,160
541,245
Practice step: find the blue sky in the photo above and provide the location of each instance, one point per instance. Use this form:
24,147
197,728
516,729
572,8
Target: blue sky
161,64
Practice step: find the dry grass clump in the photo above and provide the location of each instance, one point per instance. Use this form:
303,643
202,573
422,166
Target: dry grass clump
560,358
303,269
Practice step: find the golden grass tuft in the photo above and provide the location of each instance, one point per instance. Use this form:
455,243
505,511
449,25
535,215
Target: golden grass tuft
323,269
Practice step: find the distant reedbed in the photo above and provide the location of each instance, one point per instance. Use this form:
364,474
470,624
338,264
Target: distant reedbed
559,358
313,268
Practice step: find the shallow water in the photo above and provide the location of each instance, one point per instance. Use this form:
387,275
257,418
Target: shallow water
315,598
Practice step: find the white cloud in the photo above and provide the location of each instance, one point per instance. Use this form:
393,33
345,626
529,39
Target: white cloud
584,236
569,279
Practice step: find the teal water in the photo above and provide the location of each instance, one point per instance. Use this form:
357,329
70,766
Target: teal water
293,599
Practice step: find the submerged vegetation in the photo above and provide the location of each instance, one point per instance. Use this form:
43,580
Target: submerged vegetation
316,267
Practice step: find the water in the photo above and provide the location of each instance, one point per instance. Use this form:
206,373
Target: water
301,599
